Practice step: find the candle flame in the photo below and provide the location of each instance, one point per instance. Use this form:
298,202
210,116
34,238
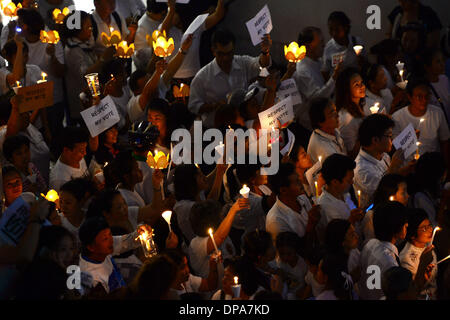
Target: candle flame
391,198
359,192
51,196
44,75
236,280
320,159
422,120
197,166
111,29
210,231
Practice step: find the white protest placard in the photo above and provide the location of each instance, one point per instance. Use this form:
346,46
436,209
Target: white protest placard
406,140
289,88
313,174
289,145
337,58
178,1
101,117
282,111
260,25
14,221
193,27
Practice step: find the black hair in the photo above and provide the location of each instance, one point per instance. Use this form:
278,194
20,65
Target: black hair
14,143
10,48
280,179
415,218
306,36
334,266
226,114
343,93
134,78
156,7
67,32
6,170
78,187
415,82
160,105
176,255
222,37
249,276
396,280
50,237
340,17
314,255
385,47
205,215
33,19
119,168
389,219
102,203
89,230
256,244
185,182
289,240
430,169
317,111
114,67
73,135
387,187
335,235
374,126
336,167
369,73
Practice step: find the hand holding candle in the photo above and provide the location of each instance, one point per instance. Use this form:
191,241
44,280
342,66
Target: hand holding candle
374,109
44,75
245,191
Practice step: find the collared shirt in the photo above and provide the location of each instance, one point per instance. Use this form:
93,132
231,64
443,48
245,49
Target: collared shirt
132,198
432,131
348,127
103,27
378,253
62,173
128,8
253,218
323,144
368,173
332,47
332,208
384,101
211,84
281,218
182,210
310,84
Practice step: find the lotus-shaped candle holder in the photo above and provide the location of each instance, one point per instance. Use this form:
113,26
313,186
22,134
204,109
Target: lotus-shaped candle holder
159,161
10,9
51,196
294,53
182,92
113,40
59,16
125,51
162,46
51,36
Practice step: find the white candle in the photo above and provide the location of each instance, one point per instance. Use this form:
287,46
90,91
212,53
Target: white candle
320,159
447,257
210,231
358,49
434,233
43,78
401,74
359,198
245,191
400,66
317,189
375,108
417,155
167,215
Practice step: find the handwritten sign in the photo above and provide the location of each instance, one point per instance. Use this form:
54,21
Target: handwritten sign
282,111
101,117
14,221
193,27
313,174
36,97
289,88
406,140
337,58
260,25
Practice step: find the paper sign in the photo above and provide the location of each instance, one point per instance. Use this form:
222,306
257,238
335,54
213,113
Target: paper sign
193,27
289,145
101,117
337,58
14,221
36,97
260,25
178,1
289,88
282,111
406,140
313,173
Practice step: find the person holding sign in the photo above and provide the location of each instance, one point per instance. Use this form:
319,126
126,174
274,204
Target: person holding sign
226,72
326,138
373,161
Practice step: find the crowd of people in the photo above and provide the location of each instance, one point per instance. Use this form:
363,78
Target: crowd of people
347,216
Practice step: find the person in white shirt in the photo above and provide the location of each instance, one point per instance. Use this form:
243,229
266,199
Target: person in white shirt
229,273
226,72
418,252
205,215
9,29
104,18
309,79
350,94
373,161
16,63
335,201
434,65
287,214
434,133
326,138
342,42
130,9
390,224
71,163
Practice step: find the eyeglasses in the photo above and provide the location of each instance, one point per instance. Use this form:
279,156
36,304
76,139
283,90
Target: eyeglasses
426,228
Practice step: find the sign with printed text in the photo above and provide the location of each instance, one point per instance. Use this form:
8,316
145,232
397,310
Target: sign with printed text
283,112
406,140
260,25
35,97
337,58
101,117
289,88
193,27
14,221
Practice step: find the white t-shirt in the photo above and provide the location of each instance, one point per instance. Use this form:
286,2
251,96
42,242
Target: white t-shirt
143,52
122,105
316,287
332,48
182,211
103,27
324,145
296,275
62,173
135,112
349,126
432,131
132,198
145,188
34,73
385,101
46,9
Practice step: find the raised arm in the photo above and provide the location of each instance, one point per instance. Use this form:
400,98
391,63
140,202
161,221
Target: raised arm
215,17
176,62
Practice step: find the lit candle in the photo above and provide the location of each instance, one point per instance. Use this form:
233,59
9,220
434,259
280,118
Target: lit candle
167,215
400,66
391,198
236,288
43,78
197,166
51,196
320,159
434,233
111,30
147,244
245,191
94,86
317,189
420,123
417,155
210,231
359,198
18,84
401,74
447,257
375,108
358,49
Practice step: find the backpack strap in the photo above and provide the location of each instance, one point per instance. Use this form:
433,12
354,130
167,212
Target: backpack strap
118,21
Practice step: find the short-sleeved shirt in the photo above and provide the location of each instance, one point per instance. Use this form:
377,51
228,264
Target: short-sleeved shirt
322,144
332,48
348,127
62,173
